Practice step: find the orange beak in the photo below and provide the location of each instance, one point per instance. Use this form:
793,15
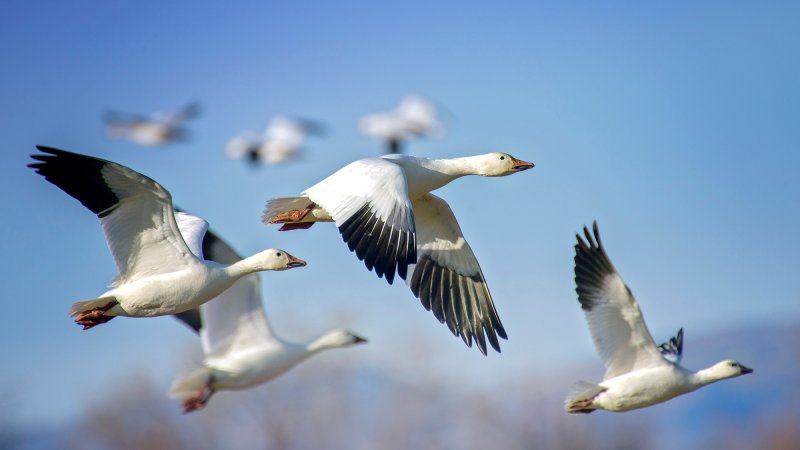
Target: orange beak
294,262
520,165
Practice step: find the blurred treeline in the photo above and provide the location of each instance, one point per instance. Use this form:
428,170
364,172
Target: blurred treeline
333,402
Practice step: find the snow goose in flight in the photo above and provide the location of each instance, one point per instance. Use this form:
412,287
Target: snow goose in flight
160,128
239,345
414,117
386,215
281,141
158,274
638,373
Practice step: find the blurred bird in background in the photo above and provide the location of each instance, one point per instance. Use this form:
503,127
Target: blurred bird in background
160,128
413,118
281,141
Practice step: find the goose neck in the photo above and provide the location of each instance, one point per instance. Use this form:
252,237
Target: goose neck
241,268
704,377
458,167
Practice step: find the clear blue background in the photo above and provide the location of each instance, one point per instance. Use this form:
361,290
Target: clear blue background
675,125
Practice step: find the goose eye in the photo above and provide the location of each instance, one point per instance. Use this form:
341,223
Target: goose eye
279,253
502,158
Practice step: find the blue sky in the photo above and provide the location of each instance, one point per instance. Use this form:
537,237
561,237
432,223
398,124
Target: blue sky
674,125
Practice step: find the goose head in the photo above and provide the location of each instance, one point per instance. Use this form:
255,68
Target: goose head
335,339
728,369
277,259
500,165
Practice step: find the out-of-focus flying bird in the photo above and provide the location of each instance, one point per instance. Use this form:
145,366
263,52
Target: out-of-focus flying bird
281,141
413,118
158,129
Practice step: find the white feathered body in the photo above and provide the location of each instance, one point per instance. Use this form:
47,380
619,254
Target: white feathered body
169,293
388,218
639,373
644,387
255,365
421,176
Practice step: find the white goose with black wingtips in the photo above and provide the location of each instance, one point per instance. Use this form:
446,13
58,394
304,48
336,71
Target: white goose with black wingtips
158,274
239,345
387,216
638,373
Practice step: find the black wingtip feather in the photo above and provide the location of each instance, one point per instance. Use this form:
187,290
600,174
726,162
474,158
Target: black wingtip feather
480,339
191,318
78,175
673,346
591,265
383,248
448,302
390,264
491,336
493,341
402,255
363,234
501,331
436,293
423,285
462,303
416,279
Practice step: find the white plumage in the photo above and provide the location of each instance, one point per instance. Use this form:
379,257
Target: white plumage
385,213
638,373
158,273
240,347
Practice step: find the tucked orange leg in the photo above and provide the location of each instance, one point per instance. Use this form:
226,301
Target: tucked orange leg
95,316
295,215
582,406
296,226
198,400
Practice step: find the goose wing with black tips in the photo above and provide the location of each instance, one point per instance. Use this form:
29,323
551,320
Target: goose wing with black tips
135,212
615,321
448,279
672,350
368,200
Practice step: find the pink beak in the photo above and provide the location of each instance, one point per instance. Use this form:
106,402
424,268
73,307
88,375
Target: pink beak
520,165
294,262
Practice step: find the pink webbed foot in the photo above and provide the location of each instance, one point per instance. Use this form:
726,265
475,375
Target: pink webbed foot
295,215
191,404
95,316
198,400
582,406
